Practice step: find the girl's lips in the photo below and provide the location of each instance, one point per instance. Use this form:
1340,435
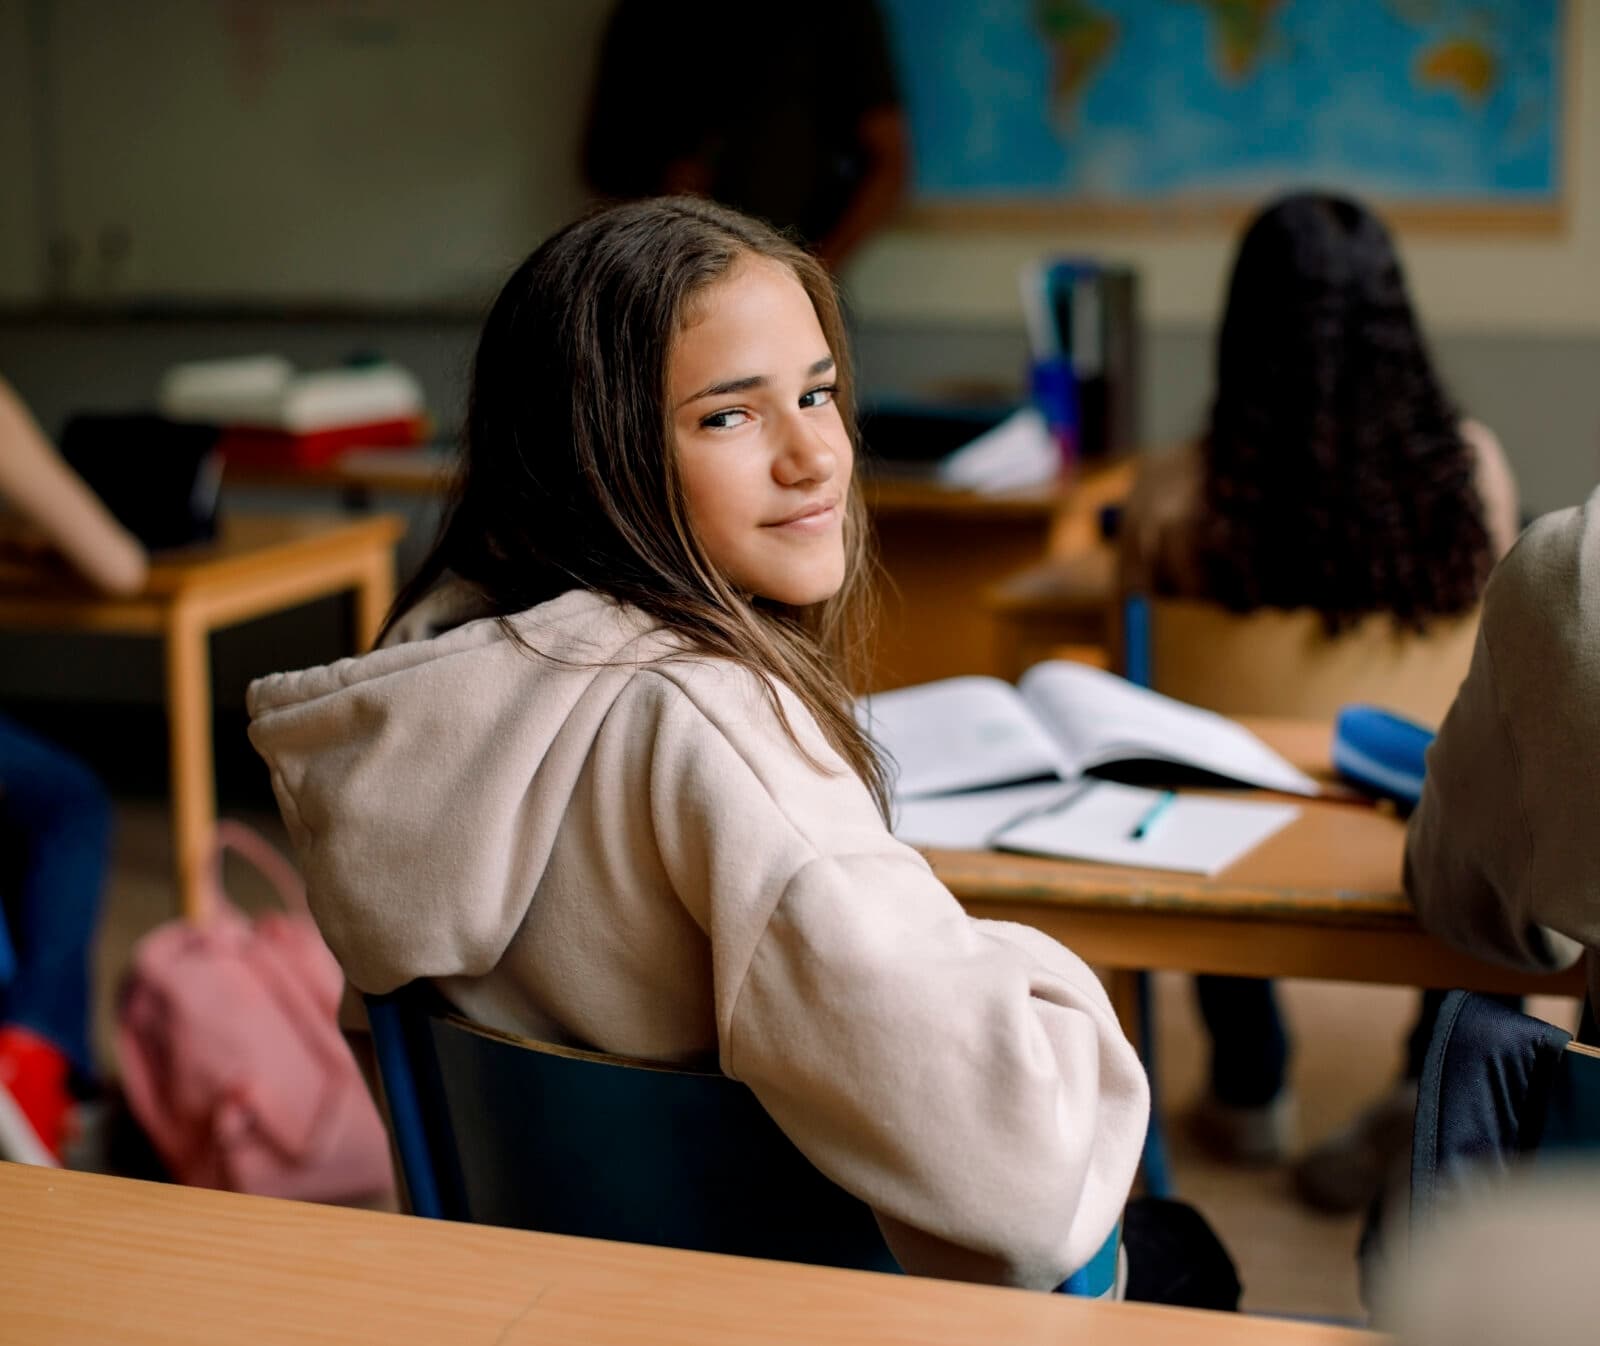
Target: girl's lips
812,517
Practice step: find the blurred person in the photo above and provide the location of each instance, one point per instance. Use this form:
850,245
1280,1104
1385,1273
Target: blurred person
1502,854
55,819
1336,474
1512,1264
800,128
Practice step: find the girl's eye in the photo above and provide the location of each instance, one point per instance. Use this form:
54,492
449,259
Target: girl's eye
724,420
819,397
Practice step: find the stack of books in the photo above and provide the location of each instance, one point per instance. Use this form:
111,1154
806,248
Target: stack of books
272,415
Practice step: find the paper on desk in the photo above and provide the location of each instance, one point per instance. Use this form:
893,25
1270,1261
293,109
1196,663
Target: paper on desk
1198,834
969,821
1017,453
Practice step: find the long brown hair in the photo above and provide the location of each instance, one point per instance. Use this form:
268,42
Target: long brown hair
569,479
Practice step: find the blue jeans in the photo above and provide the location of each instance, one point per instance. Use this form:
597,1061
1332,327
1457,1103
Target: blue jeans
1249,1047
55,835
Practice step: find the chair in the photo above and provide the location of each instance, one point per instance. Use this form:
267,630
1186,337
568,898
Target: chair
1283,662
1497,1086
497,1129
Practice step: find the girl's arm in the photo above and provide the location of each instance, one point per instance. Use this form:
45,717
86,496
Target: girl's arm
967,1079
52,498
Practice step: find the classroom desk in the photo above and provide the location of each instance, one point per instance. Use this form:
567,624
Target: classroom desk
940,549
1320,899
86,1258
259,564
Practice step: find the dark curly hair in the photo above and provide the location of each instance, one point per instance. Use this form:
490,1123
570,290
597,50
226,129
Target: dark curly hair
1336,476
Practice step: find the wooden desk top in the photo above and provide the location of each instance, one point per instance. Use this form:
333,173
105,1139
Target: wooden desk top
247,545
90,1258
1338,862
891,496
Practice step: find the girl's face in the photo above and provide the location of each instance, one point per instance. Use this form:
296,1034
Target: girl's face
762,452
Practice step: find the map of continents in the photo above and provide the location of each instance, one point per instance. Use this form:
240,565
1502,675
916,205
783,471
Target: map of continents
1149,99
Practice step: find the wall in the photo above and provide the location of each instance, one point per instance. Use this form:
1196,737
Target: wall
378,152
21,247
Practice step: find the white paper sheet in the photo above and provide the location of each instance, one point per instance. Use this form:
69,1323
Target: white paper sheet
968,821
1197,834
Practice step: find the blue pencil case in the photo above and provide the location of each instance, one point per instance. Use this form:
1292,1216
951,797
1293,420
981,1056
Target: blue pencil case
1381,752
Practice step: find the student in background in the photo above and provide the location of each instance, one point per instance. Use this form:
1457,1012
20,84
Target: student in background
1334,474
1502,853
631,808
798,126
55,821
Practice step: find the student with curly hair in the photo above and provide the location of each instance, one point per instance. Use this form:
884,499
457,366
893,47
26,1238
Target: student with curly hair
1335,474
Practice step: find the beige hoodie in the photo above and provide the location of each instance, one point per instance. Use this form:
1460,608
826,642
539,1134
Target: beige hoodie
616,846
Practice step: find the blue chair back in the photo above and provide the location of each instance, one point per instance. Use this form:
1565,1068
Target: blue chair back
500,1130
496,1129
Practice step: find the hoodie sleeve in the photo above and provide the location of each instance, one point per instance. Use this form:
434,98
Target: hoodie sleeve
967,1079
1501,854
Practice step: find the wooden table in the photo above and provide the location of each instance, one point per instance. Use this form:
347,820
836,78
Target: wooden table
941,549
85,1258
258,565
1320,899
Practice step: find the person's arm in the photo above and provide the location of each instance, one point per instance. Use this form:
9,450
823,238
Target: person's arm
52,498
886,150
967,1079
869,93
1496,487
1502,854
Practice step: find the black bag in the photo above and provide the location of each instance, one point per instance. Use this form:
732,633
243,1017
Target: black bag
161,479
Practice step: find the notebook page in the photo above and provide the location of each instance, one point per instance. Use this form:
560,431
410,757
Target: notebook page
958,734
1197,834
1097,718
968,821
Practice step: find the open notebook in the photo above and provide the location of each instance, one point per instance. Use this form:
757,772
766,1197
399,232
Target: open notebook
979,763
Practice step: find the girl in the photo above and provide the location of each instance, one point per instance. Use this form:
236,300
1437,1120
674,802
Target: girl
605,785
1335,474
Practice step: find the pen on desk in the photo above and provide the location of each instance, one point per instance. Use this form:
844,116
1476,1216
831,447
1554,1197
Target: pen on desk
1152,816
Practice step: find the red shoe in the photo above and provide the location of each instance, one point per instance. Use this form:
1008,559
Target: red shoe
34,1102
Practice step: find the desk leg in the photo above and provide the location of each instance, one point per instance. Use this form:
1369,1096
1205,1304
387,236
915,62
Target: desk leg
374,594
1122,985
192,766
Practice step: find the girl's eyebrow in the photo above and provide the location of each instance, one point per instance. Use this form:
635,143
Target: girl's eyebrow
730,386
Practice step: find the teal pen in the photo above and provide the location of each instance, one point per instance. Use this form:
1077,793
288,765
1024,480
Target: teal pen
1152,815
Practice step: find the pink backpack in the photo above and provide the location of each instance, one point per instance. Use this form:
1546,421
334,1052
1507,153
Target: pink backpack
230,1050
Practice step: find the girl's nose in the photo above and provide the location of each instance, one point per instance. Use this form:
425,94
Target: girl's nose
805,455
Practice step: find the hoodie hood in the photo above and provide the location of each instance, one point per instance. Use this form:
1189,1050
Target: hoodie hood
418,782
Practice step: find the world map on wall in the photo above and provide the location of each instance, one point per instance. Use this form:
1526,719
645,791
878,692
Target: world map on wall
1144,100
